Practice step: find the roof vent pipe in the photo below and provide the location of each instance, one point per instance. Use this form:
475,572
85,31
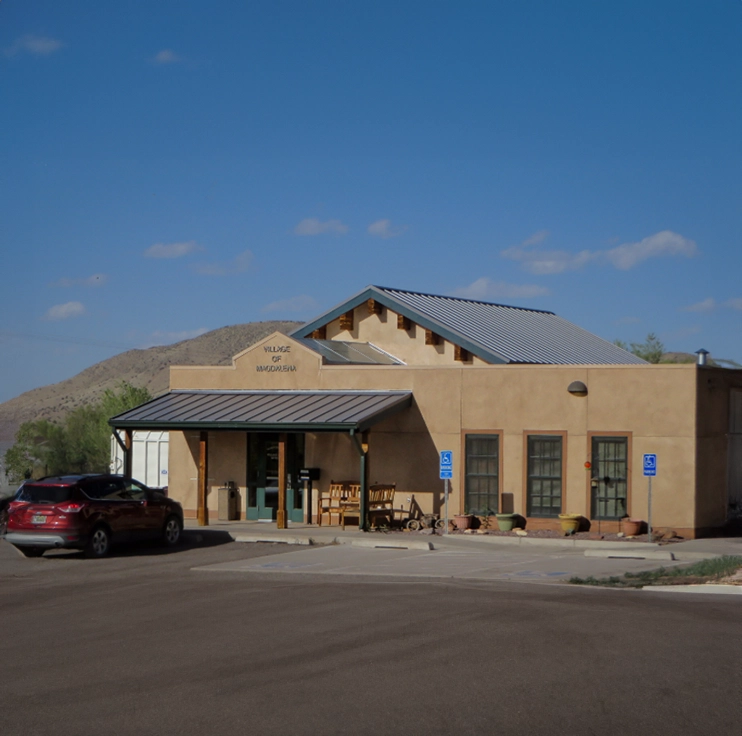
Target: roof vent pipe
701,356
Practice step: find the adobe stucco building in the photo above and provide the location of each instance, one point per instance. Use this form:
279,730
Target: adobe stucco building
543,418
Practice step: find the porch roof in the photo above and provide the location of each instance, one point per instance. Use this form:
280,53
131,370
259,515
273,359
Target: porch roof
265,411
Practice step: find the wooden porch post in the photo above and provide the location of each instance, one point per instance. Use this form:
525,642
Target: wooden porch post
363,521
281,515
128,460
203,473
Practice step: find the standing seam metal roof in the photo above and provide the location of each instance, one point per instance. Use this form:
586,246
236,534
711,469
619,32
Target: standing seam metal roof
494,332
310,410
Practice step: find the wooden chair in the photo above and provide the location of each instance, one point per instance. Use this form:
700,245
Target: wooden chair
351,504
331,502
381,503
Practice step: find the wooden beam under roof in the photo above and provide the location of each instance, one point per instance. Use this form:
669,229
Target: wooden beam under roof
320,333
461,354
431,338
346,321
374,307
403,323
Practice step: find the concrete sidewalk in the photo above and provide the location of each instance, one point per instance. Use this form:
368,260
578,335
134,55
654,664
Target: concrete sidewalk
311,534
333,551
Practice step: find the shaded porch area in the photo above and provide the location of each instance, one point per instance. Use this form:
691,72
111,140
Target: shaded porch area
273,425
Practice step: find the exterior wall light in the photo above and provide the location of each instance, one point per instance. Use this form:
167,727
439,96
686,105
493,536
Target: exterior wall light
577,388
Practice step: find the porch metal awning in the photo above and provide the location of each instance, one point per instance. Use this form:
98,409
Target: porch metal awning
265,411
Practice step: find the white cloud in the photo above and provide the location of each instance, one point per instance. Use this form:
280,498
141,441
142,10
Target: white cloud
300,303
665,243
166,56
625,256
239,264
707,305
312,226
64,311
164,337
171,250
97,279
384,229
538,237
733,304
485,288
36,45
542,262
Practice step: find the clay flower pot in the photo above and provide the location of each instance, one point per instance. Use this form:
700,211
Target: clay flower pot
506,522
631,527
462,521
570,523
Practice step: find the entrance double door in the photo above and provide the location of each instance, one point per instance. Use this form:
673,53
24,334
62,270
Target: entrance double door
262,477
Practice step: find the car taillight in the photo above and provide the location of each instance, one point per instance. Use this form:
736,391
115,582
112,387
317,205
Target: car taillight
71,508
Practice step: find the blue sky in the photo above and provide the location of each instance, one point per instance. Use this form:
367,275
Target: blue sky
168,168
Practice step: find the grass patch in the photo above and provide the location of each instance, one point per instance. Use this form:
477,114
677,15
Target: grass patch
704,571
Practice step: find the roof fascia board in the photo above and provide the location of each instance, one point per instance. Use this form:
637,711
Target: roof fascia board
236,426
390,302
354,301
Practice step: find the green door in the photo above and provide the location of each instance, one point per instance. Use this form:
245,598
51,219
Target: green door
262,477
609,482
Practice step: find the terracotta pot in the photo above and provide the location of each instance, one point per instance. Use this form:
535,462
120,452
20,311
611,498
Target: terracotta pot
506,522
570,523
462,521
632,527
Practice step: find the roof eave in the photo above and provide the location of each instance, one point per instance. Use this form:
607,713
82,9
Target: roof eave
373,292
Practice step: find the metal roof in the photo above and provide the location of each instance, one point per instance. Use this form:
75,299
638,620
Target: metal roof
344,353
265,411
496,333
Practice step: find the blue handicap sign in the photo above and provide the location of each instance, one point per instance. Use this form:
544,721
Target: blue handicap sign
650,465
446,466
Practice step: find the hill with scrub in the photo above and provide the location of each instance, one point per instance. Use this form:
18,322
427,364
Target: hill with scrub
148,368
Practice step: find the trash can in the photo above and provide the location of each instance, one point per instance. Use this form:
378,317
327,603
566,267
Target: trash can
229,504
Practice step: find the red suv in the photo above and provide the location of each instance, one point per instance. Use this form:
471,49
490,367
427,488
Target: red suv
89,512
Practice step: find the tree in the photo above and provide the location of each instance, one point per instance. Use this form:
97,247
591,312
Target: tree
650,350
80,445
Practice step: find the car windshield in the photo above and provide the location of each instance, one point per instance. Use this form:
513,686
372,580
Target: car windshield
38,493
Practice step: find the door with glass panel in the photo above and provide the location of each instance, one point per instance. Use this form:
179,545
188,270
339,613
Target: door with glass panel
609,481
482,485
262,477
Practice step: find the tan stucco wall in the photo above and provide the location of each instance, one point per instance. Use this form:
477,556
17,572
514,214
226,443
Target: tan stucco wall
654,404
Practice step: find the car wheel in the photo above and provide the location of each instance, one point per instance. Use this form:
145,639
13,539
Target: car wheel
32,551
172,530
99,543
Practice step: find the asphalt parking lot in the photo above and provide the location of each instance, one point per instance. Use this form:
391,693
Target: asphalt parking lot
144,643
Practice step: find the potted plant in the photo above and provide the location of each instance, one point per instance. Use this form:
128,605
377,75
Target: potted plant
506,522
463,521
570,523
631,527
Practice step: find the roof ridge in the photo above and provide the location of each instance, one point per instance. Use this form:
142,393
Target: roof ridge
388,289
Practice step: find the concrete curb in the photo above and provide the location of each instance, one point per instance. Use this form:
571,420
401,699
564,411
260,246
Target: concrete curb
703,589
372,543
565,543
637,554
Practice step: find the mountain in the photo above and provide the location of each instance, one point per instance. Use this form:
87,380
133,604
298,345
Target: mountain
148,368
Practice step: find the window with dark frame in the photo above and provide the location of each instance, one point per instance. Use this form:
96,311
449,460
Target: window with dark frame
482,484
544,491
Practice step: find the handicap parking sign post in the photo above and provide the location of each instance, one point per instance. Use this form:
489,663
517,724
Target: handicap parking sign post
650,471
446,473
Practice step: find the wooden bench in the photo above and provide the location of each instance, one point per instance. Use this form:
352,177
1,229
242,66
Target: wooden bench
380,504
341,496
